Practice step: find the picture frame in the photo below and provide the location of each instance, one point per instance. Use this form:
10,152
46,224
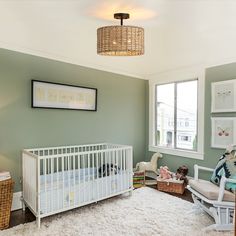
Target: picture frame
223,96
51,95
223,131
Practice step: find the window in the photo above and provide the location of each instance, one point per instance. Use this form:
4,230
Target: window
176,102
176,114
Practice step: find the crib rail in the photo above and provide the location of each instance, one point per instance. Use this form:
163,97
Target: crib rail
72,176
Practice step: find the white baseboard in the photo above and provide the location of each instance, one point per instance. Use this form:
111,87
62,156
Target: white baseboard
16,201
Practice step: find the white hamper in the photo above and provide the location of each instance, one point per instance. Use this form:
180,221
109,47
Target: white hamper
58,179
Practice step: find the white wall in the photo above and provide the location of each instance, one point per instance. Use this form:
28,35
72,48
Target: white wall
197,32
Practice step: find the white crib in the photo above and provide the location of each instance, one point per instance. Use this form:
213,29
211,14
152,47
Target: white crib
58,179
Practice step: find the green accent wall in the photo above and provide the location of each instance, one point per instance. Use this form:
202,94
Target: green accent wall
120,118
122,115
213,74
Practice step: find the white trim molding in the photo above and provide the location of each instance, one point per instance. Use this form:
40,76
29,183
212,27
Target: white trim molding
175,76
16,201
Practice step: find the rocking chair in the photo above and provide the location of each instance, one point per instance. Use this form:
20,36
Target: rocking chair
216,201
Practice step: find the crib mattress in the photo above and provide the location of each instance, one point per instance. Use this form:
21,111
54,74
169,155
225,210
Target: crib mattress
56,180
68,189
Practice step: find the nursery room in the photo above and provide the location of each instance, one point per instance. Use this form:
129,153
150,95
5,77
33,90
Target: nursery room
117,117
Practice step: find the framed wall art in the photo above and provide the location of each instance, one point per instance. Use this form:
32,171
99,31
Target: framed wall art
62,96
223,131
223,96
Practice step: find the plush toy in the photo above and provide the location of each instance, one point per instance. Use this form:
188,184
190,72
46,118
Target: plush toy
107,170
181,173
149,166
165,173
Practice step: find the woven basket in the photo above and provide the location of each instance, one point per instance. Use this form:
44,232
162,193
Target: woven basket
171,186
6,192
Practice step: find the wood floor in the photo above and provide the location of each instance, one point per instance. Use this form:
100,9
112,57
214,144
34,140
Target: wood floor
21,217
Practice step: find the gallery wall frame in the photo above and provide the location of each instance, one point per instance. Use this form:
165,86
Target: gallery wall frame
50,95
223,131
223,96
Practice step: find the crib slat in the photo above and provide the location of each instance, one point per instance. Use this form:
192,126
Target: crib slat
63,181
131,168
79,186
74,177
124,164
51,197
114,186
89,180
109,173
84,178
58,206
102,183
112,173
93,170
97,194
106,172
69,178
45,184
117,166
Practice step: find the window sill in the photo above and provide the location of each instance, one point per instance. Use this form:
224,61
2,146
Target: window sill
177,152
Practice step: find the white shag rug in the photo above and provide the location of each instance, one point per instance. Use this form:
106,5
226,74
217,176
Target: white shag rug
147,213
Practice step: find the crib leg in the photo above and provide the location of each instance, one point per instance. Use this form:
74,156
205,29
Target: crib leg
23,205
38,221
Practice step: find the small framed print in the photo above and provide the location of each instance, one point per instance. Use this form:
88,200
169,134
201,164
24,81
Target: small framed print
223,96
223,131
63,96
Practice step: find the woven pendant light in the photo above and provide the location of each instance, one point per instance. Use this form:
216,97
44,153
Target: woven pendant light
120,40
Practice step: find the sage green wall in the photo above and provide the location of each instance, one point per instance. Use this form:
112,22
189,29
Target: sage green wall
120,117
214,74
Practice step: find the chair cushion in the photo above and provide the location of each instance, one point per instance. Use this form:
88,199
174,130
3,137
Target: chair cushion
226,166
210,190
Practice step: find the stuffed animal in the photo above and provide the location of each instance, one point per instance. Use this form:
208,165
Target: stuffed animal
149,166
181,173
107,170
165,173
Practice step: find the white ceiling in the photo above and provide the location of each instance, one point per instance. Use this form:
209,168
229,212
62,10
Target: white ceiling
178,33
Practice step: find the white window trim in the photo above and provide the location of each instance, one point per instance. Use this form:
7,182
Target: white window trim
170,77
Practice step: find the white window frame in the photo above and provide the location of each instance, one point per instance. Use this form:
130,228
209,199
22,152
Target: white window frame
171,77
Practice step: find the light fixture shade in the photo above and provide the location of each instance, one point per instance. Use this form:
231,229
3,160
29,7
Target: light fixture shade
120,40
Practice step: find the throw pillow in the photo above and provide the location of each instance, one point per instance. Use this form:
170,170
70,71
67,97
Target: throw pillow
226,166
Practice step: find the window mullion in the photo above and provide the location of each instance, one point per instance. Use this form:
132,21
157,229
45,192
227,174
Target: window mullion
155,125
175,115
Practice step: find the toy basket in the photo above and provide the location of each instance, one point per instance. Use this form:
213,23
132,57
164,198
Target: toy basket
171,185
6,193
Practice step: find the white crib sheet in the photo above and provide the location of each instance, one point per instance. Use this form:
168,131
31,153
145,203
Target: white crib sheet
79,187
55,180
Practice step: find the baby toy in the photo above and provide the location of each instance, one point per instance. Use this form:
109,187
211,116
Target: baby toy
181,173
149,166
165,173
107,170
